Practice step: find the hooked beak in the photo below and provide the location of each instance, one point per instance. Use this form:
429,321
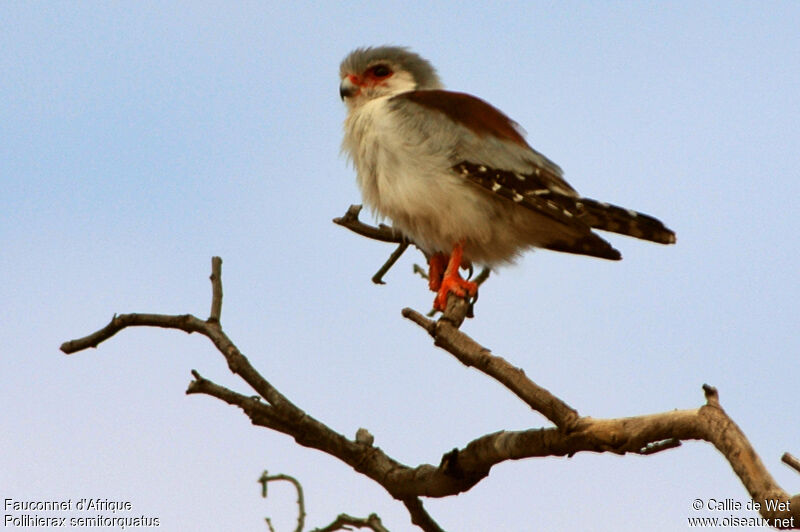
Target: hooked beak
347,88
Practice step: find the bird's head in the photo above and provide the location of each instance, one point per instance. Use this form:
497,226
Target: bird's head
369,73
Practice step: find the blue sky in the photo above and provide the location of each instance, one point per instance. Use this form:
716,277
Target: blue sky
140,139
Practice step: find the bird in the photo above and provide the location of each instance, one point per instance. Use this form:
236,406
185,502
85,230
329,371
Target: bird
456,176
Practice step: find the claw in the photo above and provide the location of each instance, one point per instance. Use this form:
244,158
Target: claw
454,285
451,281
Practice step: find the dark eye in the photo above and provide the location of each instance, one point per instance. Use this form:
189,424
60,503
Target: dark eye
381,71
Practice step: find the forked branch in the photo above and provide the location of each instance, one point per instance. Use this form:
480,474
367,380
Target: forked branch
643,435
266,478
460,469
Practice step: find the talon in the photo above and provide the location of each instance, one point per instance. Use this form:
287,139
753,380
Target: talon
451,281
454,285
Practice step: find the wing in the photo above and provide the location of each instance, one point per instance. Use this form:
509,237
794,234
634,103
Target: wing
488,149
533,192
475,131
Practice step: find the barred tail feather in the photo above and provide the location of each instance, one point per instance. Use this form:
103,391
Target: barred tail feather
605,217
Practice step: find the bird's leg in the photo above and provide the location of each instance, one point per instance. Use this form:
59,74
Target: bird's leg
452,281
436,266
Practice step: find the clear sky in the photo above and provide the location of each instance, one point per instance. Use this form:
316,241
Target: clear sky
139,139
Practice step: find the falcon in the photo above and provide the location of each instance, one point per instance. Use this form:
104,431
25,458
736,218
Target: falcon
456,176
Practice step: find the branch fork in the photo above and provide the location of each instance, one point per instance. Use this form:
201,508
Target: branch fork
460,469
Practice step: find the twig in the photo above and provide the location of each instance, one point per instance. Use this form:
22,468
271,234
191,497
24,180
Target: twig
216,290
419,516
791,461
384,233
301,506
378,277
419,270
184,322
343,521
657,447
482,276
712,396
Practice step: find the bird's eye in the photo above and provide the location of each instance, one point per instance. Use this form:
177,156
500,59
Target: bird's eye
380,71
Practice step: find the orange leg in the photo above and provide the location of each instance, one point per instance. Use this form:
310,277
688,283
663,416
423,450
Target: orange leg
436,267
452,281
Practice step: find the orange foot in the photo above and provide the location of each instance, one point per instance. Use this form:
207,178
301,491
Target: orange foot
451,282
454,285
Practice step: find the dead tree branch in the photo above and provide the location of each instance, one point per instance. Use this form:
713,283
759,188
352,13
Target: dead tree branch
382,233
344,521
791,461
266,478
419,516
460,469
641,435
216,290
446,335
378,277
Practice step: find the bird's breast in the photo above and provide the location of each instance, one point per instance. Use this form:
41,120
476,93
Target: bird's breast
405,174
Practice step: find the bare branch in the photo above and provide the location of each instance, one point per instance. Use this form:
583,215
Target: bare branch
216,290
641,435
419,270
378,277
383,233
419,516
657,447
712,396
301,506
343,521
185,322
446,335
460,469
260,413
482,276
791,461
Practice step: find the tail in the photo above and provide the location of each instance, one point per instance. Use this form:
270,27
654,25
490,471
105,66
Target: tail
599,215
